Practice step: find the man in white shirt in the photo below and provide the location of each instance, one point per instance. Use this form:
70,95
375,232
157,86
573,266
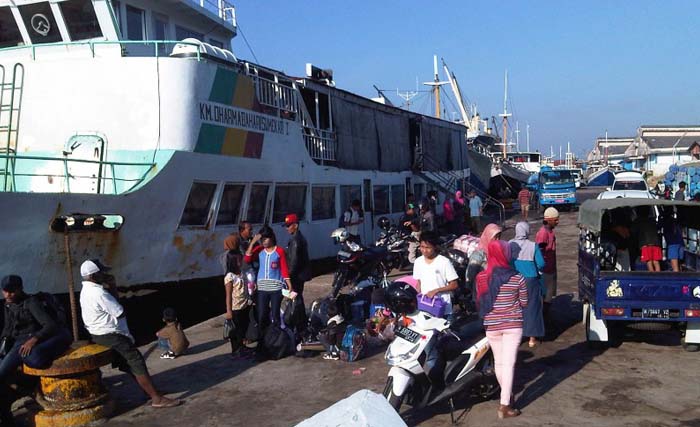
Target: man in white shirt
434,273
352,218
104,318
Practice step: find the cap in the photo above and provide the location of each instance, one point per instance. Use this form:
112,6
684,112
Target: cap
291,219
92,266
551,213
11,283
410,206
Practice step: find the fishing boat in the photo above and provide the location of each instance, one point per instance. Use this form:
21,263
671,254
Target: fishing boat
131,133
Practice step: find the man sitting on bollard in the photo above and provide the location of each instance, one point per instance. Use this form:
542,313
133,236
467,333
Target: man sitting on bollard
105,319
31,335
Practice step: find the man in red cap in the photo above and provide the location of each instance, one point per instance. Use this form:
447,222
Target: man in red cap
297,256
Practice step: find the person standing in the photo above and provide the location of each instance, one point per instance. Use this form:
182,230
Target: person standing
272,276
238,297
297,256
547,241
524,200
407,218
502,296
105,320
477,260
352,218
476,211
448,214
427,217
434,274
245,236
528,261
680,194
459,209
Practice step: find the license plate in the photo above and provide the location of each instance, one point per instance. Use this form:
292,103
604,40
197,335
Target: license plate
655,313
559,200
344,254
408,334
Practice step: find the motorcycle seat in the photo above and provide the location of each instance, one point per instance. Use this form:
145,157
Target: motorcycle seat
376,251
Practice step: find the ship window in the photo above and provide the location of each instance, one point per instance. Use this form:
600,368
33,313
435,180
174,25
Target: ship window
182,33
40,23
135,24
160,31
348,193
381,199
322,202
80,19
230,204
289,199
198,203
397,198
257,203
86,222
9,31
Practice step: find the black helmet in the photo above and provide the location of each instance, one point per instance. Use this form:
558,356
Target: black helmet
401,298
383,223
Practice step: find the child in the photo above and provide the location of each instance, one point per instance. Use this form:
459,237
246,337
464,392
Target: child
171,339
238,301
649,242
332,336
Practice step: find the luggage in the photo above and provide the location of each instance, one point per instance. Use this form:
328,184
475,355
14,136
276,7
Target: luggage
435,305
353,345
278,343
53,306
294,313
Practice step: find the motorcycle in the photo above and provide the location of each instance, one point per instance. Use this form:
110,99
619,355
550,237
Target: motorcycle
396,241
363,267
461,358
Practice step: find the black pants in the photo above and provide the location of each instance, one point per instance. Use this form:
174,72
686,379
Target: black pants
298,286
266,301
241,320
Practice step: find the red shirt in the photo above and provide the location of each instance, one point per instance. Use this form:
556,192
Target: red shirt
524,197
546,236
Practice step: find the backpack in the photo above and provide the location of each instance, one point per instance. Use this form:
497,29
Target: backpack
294,313
278,342
353,345
341,220
53,307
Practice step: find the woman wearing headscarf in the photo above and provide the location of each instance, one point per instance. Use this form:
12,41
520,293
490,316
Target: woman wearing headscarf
502,295
477,260
528,261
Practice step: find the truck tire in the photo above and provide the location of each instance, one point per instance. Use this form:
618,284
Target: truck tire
394,400
650,326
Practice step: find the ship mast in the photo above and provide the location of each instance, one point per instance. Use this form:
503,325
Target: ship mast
505,116
436,83
452,80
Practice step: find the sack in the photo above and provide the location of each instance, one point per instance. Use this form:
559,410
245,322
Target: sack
229,327
353,346
294,314
6,345
53,307
278,342
466,243
435,305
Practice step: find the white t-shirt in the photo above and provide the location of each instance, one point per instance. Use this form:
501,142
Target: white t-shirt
435,275
101,311
351,215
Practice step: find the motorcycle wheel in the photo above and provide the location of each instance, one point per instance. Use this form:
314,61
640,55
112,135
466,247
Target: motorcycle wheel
394,400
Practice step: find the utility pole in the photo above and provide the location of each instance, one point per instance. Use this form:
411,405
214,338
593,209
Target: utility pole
505,116
436,83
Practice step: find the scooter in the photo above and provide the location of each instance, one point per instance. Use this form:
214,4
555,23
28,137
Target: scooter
433,361
363,267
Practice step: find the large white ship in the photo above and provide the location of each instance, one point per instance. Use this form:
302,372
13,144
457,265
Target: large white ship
129,133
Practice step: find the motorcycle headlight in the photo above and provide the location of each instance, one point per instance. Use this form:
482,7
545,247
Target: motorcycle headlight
394,359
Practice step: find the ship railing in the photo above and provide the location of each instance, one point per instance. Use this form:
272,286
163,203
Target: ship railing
142,48
321,145
222,8
276,95
108,177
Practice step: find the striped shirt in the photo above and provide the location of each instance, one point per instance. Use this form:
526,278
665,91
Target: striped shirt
507,310
524,197
273,268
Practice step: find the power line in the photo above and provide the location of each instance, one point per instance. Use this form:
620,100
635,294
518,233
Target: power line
240,30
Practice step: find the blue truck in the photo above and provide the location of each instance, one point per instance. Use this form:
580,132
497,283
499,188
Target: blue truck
555,187
617,291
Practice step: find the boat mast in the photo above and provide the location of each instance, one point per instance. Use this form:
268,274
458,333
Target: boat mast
458,95
505,116
436,83
528,137
605,161
517,136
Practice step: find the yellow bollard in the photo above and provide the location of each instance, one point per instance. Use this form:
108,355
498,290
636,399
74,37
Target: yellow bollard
72,393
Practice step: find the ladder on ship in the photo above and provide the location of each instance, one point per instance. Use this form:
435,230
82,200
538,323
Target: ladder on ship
11,88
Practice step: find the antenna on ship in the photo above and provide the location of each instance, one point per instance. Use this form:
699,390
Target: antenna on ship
505,116
527,127
407,97
436,83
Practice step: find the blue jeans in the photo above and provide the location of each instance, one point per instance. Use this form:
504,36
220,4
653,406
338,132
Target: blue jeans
266,301
164,344
41,356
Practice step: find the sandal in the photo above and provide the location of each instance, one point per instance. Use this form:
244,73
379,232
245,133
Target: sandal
533,344
507,412
167,403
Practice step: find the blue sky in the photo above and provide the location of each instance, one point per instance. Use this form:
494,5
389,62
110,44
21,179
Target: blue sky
575,68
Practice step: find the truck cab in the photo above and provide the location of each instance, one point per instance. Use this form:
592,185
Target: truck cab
556,187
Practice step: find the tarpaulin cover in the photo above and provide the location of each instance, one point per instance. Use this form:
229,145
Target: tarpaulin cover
590,215
363,409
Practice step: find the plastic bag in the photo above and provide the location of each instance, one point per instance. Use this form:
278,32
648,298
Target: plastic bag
229,327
